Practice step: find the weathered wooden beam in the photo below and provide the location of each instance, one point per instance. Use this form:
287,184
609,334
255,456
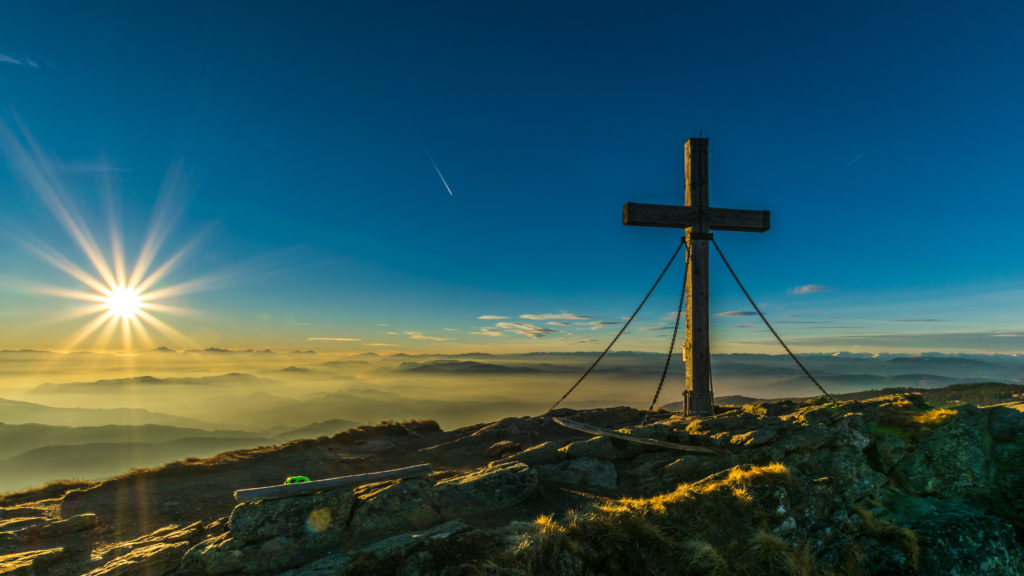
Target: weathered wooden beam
696,347
304,488
739,220
664,216
667,216
598,431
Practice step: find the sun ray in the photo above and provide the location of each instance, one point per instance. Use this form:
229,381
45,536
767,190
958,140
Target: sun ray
105,335
164,308
39,173
117,253
160,224
72,314
121,301
69,293
126,332
164,329
164,268
67,266
140,328
85,331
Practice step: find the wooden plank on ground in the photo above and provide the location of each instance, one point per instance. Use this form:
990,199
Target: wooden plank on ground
598,431
305,488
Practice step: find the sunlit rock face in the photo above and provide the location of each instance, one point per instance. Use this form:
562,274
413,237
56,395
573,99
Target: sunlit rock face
888,485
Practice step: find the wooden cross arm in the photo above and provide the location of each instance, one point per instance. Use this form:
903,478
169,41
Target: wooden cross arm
664,216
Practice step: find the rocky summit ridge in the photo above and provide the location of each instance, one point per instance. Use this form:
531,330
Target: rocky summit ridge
883,485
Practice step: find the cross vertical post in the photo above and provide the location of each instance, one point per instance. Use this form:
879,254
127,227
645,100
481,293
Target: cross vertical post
696,349
699,219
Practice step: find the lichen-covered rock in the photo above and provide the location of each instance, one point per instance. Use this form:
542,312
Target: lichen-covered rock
392,509
219,555
485,490
1006,424
293,517
758,437
951,460
271,536
505,429
503,447
546,453
601,447
153,560
69,532
31,563
172,534
890,450
966,542
582,473
12,524
330,565
398,544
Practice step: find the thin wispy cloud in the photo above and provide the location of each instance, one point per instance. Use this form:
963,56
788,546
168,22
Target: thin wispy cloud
489,332
558,316
392,333
492,317
450,329
915,320
559,324
809,289
422,336
6,59
736,313
332,339
525,329
654,328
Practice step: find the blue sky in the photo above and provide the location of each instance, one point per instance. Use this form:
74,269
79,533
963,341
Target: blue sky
884,138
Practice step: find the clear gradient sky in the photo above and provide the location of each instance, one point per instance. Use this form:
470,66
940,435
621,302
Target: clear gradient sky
302,147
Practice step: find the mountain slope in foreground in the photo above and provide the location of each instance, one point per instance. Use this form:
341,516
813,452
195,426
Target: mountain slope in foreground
885,485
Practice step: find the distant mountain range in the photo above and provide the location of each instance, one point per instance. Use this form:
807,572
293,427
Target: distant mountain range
32,454
15,412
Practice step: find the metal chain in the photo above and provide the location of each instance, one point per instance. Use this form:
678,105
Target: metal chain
766,323
675,332
624,326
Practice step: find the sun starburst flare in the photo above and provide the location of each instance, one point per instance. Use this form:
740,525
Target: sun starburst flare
116,299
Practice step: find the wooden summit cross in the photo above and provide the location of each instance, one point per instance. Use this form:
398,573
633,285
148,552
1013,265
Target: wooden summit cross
698,218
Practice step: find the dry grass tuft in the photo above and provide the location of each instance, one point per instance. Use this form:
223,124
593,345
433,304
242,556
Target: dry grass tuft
54,489
903,538
936,417
701,559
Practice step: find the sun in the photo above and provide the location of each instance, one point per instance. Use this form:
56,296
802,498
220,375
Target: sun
124,302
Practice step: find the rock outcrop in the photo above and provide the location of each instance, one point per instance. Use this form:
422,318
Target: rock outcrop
888,485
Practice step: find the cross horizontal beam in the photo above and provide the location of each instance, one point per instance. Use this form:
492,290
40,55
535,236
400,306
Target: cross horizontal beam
666,216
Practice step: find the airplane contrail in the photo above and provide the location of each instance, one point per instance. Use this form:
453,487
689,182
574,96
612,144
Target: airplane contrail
438,170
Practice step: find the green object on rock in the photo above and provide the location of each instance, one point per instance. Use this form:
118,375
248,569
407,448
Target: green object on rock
296,479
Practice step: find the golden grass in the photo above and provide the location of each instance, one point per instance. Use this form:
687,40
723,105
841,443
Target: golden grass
707,528
935,417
